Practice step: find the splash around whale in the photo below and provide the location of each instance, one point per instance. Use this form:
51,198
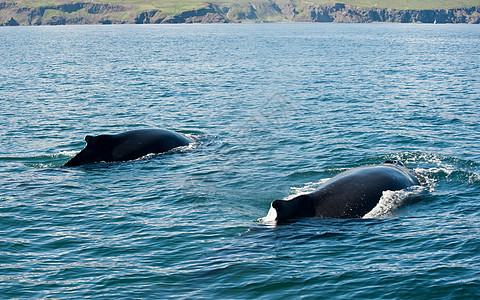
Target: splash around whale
350,194
126,146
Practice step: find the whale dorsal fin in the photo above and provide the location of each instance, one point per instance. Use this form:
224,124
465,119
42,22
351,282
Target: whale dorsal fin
89,139
96,139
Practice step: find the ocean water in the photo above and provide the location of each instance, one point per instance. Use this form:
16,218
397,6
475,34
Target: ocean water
274,110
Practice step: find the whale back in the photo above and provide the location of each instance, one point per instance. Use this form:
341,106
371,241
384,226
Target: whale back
127,146
134,144
350,194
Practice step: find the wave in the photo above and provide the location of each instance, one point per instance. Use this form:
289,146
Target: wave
40,161
432,168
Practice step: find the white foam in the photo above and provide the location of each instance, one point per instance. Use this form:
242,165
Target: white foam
306,189
70,153
429,177
271,216
194,144
391,200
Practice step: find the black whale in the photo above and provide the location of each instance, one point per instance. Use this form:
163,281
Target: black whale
127,146
350,194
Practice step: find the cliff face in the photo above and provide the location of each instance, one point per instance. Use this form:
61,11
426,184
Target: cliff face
100,13
267,11
342,13
76,13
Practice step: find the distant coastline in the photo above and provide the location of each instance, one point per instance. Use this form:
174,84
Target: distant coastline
18,14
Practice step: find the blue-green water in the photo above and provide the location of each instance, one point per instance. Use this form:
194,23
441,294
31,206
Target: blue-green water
274,109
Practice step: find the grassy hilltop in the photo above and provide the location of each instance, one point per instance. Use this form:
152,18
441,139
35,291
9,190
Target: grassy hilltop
41,12
172,7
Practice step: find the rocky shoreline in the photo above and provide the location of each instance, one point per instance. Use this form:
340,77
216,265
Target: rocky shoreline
12,14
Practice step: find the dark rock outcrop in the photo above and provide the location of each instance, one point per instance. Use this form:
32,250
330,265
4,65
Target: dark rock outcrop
209,14
11,22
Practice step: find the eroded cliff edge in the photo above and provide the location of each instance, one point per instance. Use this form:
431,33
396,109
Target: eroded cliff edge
12,14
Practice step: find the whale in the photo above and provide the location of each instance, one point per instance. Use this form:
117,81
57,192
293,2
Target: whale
127,146
350,194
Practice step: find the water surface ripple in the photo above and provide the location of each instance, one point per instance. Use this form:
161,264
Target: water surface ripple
274,109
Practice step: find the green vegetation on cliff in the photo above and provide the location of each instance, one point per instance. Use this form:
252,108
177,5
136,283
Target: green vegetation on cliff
172,7
404,4
42,12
